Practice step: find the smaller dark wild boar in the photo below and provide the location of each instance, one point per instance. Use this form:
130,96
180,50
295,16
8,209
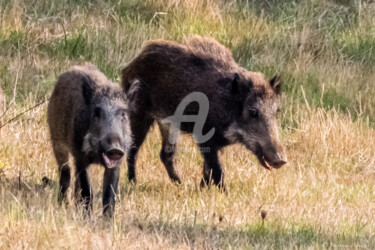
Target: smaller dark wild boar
239,106
87,117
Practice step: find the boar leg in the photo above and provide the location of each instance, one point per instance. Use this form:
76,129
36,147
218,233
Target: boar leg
168,150
140,124
110,183
62,157
82,187
212,170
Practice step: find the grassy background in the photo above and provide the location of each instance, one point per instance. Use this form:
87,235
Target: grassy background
325,196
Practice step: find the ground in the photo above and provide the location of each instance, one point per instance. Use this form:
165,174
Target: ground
323,197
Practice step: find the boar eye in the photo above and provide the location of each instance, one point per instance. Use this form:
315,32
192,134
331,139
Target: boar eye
254,113
97,112
278,110
122,113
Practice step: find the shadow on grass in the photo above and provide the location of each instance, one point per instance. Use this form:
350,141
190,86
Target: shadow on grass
258,234
193,231
26,189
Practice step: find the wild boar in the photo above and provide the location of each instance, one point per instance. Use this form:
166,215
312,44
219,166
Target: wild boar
88,118
236,105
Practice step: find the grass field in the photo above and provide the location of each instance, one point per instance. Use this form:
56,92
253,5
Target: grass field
323,197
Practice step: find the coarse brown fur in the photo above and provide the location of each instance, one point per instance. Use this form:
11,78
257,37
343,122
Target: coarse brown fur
165,72
87,118
190,58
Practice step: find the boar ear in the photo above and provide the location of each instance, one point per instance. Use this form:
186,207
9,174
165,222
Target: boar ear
87,90
132,93
238,90
275,83
134,85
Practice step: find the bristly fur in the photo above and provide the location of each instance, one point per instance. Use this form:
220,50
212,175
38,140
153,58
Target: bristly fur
165,72
75,129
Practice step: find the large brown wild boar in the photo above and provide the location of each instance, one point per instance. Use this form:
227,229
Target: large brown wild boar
87,117
242,105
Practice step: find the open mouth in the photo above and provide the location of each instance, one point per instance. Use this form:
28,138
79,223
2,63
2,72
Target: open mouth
265,163
110,163
268,162
270,165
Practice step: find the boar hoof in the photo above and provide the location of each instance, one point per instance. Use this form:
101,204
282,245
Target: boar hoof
133,180
108,212
204,183
176,180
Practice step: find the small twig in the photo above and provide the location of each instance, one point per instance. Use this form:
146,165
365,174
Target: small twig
321,97
15,88
6,110
19,180
15,198
65,39
320,18
156,14
20,114
304,96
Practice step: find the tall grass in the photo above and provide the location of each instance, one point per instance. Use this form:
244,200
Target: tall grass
323,197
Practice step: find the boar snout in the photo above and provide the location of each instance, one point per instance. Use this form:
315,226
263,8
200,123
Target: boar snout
277,163
270,158
114,154
112,150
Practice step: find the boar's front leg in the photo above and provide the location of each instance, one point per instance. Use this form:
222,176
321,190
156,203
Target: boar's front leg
82,185
110,183
212,170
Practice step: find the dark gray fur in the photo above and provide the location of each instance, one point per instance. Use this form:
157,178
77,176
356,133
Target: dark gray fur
88,118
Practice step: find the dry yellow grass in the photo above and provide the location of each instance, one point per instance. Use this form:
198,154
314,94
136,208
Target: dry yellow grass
324,196
325,192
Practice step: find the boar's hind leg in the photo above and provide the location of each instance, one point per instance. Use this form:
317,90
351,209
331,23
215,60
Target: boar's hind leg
82,185
110,183
212,170
168,150
62,158
140,124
